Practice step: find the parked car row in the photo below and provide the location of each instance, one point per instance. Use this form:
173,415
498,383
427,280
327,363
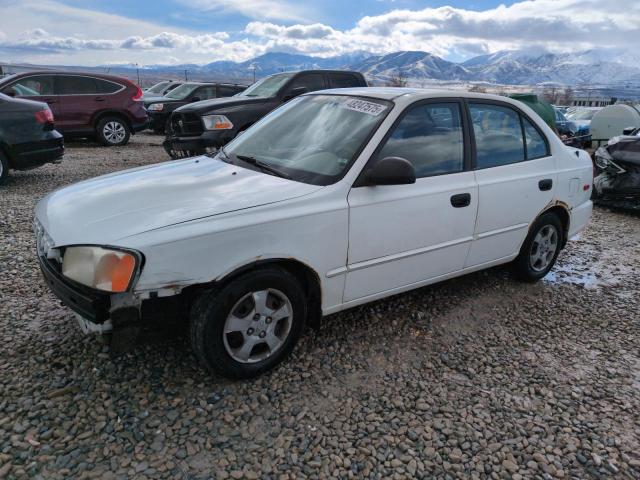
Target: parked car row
160,109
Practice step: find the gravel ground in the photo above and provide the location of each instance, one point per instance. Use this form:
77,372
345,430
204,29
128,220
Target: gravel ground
478,377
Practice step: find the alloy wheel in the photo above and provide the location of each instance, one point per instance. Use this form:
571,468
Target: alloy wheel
543,248
258,325
114,132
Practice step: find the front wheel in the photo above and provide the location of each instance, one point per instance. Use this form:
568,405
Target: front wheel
250,325
113,132
540,249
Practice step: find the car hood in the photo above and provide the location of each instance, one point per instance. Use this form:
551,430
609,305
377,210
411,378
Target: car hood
221,104
106,209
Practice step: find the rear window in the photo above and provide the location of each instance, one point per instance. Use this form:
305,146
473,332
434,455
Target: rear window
105,86
76,85
344,80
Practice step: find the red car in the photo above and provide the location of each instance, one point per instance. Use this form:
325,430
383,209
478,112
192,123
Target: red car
105,107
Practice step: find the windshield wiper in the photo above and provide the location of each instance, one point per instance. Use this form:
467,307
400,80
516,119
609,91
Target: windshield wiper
263,166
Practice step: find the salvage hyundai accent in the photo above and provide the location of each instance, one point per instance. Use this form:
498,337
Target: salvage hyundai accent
333,200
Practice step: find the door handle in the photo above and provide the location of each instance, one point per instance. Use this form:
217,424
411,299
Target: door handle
545,185
461,200
50,100
99,99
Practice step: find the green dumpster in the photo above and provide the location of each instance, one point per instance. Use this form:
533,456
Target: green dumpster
541,107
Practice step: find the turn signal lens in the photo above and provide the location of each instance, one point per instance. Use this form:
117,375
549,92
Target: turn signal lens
101,268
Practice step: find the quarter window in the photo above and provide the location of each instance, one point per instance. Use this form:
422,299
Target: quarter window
35,86
498,135
536,144
106,87
430,137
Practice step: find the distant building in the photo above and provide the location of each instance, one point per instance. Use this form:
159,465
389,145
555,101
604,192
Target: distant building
592,101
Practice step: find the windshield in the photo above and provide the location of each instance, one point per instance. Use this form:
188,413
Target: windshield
182,92
268,86
318,137
158,87
582,114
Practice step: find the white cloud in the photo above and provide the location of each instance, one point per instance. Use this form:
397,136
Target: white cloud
268,9
47,31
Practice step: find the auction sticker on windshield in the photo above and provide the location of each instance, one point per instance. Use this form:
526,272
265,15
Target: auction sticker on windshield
363,106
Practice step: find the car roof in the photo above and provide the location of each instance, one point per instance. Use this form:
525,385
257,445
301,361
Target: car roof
413,94
103,76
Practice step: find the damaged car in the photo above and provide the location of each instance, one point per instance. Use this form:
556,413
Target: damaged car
335,199
617,179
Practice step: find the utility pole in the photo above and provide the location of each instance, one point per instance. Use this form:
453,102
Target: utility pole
185,75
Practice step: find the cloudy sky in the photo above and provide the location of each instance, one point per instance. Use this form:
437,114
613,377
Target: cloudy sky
91,32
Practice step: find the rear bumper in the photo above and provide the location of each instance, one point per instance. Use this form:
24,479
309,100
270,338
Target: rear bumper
580,216
140,126
33,154
88,303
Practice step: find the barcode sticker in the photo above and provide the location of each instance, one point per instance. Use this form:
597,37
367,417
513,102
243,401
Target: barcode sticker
363,106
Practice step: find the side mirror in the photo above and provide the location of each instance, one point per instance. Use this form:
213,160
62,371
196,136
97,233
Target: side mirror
392,171
294,92
195,99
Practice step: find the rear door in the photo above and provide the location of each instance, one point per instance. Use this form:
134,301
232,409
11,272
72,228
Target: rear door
40,88
79,101
516,177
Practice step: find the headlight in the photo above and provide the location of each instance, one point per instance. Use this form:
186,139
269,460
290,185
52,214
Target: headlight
216,122
155,107
101,268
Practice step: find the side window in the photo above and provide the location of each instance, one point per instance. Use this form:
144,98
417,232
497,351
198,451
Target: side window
35,86
106,87
310,81
205,93
430,137
76,85
344,80
498,135
536,143
226,91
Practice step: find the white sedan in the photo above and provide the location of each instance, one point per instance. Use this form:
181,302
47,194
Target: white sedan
333,200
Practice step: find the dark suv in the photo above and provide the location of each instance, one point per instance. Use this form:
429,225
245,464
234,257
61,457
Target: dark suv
160,109
200,126
85,105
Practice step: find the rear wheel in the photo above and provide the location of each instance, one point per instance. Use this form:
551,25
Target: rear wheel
250,325
4,168
540,249
113,132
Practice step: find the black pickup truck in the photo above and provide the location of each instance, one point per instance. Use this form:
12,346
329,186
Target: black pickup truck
208,125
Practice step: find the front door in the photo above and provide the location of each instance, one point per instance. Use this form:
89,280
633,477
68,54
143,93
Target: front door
36,87
404,235
516,177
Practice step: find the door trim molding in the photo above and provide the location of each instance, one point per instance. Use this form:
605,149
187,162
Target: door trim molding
491,233
396,256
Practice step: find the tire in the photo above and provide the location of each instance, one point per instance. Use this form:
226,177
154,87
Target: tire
113,132
4,169
241,353
540,249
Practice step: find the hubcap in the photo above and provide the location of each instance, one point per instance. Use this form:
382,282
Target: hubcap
258,325
543,248
114,132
